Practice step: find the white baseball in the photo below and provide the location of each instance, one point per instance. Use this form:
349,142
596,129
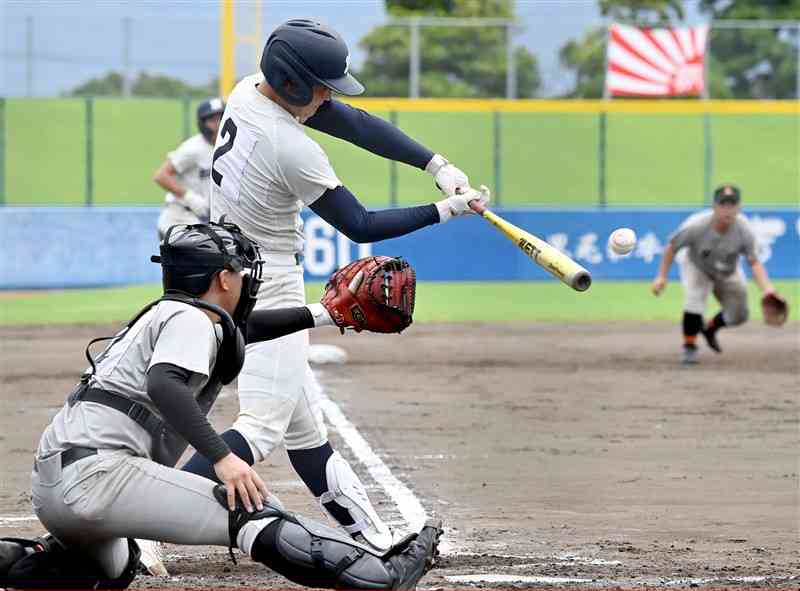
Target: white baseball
622,240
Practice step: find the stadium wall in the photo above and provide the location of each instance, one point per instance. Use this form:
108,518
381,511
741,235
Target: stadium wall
83,247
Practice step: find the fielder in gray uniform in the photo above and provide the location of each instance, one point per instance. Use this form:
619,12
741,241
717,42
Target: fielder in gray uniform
184,174
714,241
104,467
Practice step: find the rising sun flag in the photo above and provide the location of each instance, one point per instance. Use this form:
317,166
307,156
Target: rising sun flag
655,62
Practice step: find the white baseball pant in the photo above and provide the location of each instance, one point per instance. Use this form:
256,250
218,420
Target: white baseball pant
731,291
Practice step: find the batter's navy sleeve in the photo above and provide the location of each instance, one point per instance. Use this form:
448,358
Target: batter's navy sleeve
340,208
265,325
168,388
369,132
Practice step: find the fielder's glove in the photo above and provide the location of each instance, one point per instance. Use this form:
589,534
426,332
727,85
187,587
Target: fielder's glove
449,179
373,293
197,204
775,309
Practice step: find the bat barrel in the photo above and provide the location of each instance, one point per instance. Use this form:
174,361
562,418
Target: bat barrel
581,281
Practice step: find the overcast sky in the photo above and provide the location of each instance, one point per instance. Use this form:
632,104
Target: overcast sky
73,41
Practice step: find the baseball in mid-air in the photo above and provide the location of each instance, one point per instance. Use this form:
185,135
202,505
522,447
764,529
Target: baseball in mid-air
622,240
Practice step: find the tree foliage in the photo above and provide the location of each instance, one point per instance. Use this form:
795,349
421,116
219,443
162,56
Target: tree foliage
454,61
754,63
150,85
743,63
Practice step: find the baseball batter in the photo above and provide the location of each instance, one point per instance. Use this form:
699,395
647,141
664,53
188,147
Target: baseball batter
265,170
104,466
714,241
184,174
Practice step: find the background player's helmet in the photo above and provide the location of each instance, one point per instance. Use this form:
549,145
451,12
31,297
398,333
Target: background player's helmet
192,254
206,109
305,53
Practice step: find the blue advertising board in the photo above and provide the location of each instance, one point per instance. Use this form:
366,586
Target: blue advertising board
82,247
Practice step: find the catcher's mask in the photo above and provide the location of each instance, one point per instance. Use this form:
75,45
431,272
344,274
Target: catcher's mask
191,255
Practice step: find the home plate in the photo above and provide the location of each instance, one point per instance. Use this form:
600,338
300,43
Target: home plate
496,578
321,354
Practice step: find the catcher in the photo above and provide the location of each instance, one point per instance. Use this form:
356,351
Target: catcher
104,469
713,241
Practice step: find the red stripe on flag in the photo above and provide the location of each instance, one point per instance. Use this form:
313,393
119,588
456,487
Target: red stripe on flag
674,34
649,34
614,67
619,40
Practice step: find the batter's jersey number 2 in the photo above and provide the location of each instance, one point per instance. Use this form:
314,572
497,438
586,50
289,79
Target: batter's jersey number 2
230,158
229,129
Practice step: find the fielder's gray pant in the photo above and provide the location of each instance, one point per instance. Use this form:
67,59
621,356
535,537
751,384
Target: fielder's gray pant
97,502
731,292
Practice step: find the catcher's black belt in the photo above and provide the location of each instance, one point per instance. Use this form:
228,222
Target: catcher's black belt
73,454
135,410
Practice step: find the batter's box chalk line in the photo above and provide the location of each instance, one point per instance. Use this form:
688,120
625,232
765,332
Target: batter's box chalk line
407,503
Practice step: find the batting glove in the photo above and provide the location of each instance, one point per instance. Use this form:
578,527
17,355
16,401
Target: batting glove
196,203
449,179
458,204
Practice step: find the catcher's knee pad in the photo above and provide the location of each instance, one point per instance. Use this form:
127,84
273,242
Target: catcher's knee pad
316,555
346,491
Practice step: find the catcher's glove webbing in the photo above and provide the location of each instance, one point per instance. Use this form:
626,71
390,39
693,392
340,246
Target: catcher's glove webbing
775,309
373,293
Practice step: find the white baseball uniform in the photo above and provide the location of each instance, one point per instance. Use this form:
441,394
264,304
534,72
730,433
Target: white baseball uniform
271,170
192,162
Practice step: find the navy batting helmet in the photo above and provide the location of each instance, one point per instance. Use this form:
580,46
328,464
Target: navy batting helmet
209,108
305,53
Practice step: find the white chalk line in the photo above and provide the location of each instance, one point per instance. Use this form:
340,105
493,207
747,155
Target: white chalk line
403,497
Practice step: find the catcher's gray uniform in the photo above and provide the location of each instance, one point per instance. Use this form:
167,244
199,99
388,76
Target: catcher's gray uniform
711,262
192,162
98,501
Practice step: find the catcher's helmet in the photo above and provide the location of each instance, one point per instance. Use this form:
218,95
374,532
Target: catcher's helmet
206,109
305,53
192,254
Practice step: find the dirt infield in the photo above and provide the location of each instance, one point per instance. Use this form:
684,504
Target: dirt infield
579,455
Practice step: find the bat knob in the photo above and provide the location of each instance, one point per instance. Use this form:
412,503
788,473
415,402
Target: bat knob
476,206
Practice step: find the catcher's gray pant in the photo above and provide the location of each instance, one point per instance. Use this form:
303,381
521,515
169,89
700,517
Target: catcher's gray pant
97,502
731,292
278,395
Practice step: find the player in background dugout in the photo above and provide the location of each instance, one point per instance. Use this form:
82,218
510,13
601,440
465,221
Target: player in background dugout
714,239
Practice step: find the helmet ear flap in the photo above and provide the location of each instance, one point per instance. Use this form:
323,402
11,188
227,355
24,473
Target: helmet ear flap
279,67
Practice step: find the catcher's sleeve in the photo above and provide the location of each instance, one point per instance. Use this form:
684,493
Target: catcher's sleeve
367,131
168,388
265,325
342,210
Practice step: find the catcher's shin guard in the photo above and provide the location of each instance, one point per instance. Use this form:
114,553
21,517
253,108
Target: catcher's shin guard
316,555
346,490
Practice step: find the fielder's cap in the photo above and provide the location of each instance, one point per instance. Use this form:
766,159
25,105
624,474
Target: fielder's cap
727,194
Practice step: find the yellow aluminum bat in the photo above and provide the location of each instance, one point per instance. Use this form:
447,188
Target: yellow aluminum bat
546,256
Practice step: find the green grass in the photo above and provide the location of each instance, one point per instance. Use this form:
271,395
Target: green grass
436,302
545,158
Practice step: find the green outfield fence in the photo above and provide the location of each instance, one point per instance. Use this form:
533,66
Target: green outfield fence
104,151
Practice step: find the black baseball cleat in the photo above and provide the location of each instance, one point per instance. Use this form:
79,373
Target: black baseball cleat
711,338
414,556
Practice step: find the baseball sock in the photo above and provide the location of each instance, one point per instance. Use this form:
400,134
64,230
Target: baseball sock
199,465
692,324
310,466
716,323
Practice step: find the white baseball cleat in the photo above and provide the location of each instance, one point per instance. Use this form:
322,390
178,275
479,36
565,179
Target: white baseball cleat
152,558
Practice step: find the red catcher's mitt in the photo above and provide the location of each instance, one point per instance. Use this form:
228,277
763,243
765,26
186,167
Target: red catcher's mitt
373,293
775,309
